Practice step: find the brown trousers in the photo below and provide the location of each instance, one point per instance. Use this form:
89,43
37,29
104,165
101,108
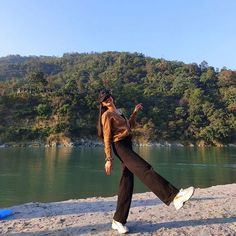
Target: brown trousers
133,164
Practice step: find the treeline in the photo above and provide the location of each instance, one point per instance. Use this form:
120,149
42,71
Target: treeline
51,97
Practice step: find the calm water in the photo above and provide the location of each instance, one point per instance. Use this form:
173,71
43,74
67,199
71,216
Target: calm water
45,175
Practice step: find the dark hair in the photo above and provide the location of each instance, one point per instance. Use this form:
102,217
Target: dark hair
102,109
102,95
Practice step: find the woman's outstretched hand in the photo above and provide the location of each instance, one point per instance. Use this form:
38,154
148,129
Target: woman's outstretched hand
108,167
138,107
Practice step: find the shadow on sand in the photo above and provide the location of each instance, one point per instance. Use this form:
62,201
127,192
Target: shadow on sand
134,226
37,210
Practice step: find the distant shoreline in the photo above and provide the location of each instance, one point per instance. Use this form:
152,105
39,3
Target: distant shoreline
91,143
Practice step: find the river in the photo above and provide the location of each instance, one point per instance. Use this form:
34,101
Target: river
55,174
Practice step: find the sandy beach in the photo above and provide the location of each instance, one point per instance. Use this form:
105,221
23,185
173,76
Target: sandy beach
211,211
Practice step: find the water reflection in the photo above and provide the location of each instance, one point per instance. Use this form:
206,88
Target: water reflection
193,166
144,152
54,153
53,174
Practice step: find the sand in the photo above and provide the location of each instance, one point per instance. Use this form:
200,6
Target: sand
211,211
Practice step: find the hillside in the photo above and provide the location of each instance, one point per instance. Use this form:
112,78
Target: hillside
55,98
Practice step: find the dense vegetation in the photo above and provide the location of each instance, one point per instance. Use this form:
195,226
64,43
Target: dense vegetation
51,97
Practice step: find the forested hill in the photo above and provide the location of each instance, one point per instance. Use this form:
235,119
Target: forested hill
55,98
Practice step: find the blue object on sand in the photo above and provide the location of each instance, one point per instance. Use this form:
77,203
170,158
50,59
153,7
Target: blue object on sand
5,213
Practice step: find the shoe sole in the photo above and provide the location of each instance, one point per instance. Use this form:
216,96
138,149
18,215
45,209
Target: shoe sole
186,198
190,196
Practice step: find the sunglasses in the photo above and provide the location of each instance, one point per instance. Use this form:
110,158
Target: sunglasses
106,98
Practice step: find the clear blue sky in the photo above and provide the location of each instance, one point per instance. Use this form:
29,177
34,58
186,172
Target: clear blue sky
183,30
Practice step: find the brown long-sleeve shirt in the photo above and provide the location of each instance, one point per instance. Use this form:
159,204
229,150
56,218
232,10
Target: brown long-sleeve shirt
115,128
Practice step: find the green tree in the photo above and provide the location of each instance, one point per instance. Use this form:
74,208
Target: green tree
37,80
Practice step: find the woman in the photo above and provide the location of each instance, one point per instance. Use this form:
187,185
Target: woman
115,129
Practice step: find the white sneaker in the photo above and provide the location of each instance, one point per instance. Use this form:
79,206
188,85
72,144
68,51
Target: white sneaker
182,196
122,229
